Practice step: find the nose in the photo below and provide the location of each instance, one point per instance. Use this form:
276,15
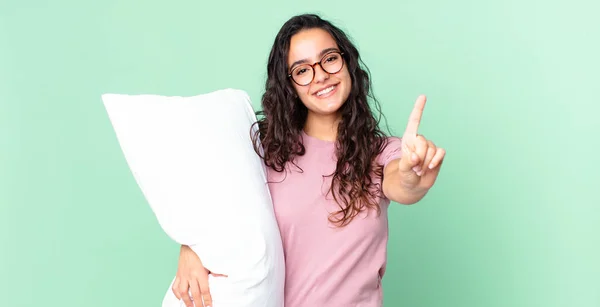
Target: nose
320,74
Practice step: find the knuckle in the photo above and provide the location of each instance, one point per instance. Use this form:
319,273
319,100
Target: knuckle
195,291
198,272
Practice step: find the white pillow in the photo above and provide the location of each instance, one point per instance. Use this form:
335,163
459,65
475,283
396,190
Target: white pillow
193,159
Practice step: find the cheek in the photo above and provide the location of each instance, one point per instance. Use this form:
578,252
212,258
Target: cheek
302,91
348,83
347,77
297,89
344,76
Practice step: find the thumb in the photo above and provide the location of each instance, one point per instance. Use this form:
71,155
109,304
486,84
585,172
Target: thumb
408,160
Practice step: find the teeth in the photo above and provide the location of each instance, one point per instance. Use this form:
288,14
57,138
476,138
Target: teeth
325,91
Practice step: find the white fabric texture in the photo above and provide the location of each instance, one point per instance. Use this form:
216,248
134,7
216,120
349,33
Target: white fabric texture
193,160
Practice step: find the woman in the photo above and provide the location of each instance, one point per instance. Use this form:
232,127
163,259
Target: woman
332,171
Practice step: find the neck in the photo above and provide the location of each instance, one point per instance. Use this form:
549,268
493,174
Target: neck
323,127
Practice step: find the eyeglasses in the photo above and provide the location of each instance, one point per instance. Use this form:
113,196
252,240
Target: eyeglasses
304,74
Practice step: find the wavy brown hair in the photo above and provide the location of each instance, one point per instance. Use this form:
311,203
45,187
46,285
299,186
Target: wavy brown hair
359,139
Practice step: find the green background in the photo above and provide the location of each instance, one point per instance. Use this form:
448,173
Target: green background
513,97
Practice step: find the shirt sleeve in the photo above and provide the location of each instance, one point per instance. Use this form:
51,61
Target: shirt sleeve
392,151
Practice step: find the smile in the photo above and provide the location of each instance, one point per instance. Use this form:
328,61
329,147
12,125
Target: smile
325,92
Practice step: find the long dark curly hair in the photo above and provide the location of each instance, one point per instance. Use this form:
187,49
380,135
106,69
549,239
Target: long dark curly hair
359,139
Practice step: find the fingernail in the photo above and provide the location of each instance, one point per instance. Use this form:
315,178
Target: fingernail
430,165
416,168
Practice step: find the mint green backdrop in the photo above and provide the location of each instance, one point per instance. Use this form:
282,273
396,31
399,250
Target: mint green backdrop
513,97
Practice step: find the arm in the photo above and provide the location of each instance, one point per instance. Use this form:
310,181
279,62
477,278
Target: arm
406,180
394,188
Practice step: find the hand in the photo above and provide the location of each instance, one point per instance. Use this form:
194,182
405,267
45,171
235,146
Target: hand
421,158
192,277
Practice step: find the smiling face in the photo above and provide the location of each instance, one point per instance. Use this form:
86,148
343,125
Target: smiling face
328,91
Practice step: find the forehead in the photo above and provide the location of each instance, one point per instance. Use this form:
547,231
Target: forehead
307,44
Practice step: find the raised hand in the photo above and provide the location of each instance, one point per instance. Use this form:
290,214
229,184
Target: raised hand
421,159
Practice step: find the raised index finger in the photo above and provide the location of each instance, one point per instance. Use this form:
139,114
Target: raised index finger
415,116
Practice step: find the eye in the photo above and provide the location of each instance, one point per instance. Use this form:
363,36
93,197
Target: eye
300,71
331,58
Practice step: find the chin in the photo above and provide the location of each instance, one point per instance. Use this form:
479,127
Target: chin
329,104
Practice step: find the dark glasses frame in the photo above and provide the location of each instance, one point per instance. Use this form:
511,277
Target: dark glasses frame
318,63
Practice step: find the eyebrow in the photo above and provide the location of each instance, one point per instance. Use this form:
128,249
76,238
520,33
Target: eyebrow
323,52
